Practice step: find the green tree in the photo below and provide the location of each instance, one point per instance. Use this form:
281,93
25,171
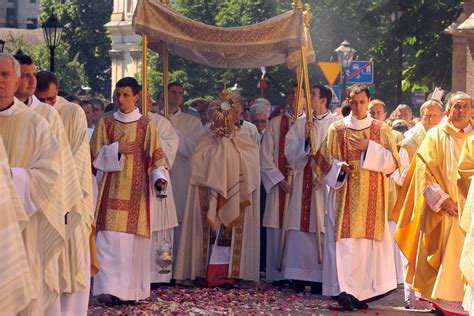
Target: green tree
70,71
417,27
85,37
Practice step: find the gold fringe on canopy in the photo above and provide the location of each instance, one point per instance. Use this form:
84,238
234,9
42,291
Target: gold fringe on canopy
274,41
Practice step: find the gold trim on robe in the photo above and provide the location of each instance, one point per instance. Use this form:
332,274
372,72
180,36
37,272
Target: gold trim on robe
123,198
360,203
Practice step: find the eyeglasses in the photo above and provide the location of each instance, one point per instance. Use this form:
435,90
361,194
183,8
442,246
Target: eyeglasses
246,109
259,121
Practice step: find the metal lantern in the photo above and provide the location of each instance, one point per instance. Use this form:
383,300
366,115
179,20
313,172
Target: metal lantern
345,54
52,31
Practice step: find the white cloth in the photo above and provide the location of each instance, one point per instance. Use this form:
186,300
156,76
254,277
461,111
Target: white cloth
397,254
366,267
189,130
78,302
124,276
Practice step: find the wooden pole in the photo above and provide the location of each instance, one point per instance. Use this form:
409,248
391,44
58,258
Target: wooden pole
309,116
284,224
165,56
144,75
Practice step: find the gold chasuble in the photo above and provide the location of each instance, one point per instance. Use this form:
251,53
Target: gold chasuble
360,203
31,145
72,260
123,202
413,139
17,287
432,241
466,198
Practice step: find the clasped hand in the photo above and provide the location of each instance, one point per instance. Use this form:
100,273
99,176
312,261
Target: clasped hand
359,142
126,147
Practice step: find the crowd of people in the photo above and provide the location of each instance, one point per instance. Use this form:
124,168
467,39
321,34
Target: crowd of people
114,202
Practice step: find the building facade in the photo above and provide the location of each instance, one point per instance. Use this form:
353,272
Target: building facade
462,32
22,14
126,52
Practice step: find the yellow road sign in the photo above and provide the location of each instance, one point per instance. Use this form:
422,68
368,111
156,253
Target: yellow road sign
330,70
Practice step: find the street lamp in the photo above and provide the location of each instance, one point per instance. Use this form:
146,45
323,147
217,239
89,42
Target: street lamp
2,44
52,30
345,54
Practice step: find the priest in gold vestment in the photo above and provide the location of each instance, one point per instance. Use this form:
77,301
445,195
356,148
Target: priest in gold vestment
126,147
34,157
16,280
73,274
429,232
220,239
354,159
466,205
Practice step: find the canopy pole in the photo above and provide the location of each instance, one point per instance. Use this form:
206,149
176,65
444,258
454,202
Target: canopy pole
144,75
165,56
299,94
297,5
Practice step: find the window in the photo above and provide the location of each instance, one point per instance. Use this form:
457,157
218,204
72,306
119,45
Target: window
32,1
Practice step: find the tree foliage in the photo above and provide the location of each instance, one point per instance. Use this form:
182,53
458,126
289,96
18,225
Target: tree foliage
368,24
417,26
85,37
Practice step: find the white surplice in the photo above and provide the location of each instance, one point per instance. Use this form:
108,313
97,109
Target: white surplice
365,267
164,209
189,129
301,257
271,176
124,276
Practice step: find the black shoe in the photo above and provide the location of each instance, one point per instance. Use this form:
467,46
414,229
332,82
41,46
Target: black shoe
360,305
345,302
298,286
280,284
316,288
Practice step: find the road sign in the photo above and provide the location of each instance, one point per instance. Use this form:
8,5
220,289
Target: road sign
360,72
331,70
336,95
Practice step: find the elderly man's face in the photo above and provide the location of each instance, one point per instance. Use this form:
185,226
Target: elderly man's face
260,120
8,82
460,111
